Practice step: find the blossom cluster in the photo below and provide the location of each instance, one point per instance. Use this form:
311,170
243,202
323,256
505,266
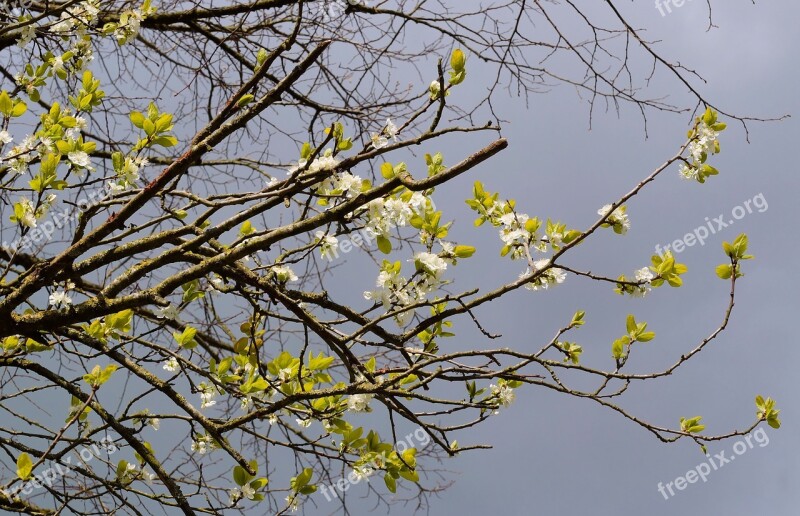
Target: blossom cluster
501,395
128,173
73,27
325,162
390,131
384,214
60,298
546,277
394,289
77,18
617,219
522,236
704,141
203,444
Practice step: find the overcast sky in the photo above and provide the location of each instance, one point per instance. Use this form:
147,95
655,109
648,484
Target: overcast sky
553,454
557,455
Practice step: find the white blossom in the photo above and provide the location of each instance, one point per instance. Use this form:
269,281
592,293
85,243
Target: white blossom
246,402
379,141
552,276
80,159
234,495
391,129
505,394
301,164
435,89
58,64
329,244
326,162
207,395
617,218
284,274
285,374
687,172
26,35
168,312
293,502
114,187
397,212
431,263
644,274
171,365
28,217
202,445
359,402
60,299
248,492
349,183
148,476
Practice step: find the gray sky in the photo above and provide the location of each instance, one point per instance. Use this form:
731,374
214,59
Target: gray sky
564,456
554,454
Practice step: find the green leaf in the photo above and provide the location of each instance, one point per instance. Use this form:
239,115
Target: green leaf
646,337
302,479
387,170
259,483
261,56
724,271
5,103
149,127
186,338
458,60
246,229
384,244
166,141
105,375
191,291
390,482
137,119
120,321
457,77
24,466
630,324
710,116
122,468
19,109
464,251
240,476
692,425
577,319
409,475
